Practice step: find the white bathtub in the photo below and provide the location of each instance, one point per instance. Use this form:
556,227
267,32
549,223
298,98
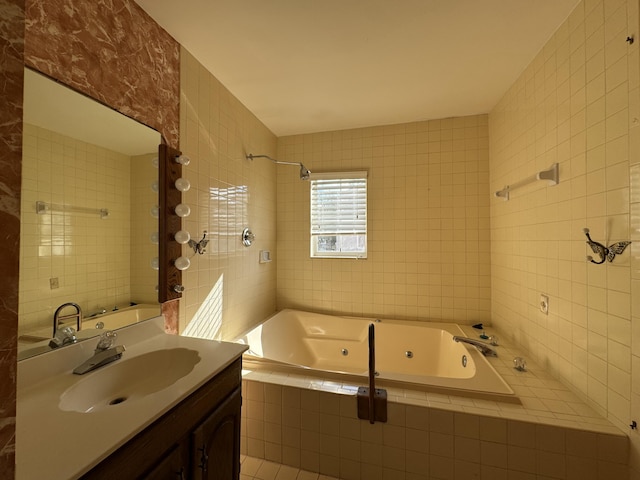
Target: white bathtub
422,355
121,318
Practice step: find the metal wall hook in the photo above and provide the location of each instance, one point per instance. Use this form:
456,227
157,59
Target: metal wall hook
199,247
605,253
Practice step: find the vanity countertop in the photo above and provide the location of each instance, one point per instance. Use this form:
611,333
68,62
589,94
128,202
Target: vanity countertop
56,444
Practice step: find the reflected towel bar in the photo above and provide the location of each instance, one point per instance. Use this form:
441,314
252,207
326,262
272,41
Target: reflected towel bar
551,175
43,207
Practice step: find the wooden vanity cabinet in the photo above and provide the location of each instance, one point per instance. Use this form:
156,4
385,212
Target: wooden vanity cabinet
197,439
216,443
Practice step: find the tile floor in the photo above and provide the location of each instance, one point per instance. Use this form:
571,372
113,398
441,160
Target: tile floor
258,469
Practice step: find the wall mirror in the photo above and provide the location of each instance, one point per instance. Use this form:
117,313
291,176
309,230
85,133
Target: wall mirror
89,216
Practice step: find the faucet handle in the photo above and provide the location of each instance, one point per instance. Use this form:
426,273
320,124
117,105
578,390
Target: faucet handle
106,341
64,336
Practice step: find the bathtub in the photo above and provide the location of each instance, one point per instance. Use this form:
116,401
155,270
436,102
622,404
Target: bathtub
37,340
415,355
121,318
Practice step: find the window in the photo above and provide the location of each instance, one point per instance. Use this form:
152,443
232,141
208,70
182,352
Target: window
339,215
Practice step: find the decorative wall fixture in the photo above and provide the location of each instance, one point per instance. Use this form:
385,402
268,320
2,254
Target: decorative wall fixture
605,253
551,175
172,237
199,247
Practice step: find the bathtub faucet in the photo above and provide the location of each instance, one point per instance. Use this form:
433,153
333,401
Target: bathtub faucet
101,311
484,347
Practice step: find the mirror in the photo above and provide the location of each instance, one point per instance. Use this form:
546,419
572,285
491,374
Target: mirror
89,216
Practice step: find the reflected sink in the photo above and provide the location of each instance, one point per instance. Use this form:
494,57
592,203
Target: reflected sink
128,380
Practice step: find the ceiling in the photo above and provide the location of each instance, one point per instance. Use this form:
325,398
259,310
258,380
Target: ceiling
306,66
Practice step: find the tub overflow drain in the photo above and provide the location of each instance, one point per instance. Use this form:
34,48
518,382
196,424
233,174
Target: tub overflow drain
117,400
345,352
408,354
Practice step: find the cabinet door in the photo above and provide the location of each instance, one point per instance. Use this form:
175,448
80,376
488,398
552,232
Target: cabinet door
216,442
172,466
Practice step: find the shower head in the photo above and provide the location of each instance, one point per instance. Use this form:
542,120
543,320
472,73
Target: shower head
304,171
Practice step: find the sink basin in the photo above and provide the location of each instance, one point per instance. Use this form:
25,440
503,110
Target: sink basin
128,380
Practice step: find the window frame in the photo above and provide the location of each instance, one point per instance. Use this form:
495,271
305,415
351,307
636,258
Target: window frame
313,206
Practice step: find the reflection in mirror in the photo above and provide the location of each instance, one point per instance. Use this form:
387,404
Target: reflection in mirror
89,235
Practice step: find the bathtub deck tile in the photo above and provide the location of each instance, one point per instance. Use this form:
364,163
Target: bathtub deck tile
449,407
486,404
415,394
464,401
349,389
532,404
415,402
478,411
436,397
540,414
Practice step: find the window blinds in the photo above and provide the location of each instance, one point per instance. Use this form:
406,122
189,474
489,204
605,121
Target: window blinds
339,203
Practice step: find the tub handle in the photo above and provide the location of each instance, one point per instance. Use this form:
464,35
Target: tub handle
372,402
372,373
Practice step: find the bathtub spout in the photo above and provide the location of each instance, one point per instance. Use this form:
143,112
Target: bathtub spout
484,347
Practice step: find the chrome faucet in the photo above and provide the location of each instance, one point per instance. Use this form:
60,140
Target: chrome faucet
484,347
105,353
64,336
58,319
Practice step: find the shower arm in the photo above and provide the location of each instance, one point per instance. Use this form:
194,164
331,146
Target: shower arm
280,162
304,171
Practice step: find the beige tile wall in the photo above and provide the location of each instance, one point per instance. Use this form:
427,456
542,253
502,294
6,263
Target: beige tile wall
88,255
227,290
576,104
428,222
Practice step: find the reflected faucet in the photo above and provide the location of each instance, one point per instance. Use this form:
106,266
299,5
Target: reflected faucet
64,336
101,311
484,347
105,353
58,319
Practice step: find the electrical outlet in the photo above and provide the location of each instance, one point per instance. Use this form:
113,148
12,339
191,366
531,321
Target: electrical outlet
53,283
544,303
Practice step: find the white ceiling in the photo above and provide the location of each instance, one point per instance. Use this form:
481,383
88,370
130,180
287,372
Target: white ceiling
315,65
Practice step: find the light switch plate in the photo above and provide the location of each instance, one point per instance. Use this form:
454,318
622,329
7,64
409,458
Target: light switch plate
544,303
265,256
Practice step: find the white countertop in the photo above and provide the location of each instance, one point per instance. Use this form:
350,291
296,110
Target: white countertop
56,444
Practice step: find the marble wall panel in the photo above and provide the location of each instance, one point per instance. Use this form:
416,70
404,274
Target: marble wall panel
112,51
11,79
170,310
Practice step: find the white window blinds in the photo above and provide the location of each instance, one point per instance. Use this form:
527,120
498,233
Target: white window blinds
339,214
